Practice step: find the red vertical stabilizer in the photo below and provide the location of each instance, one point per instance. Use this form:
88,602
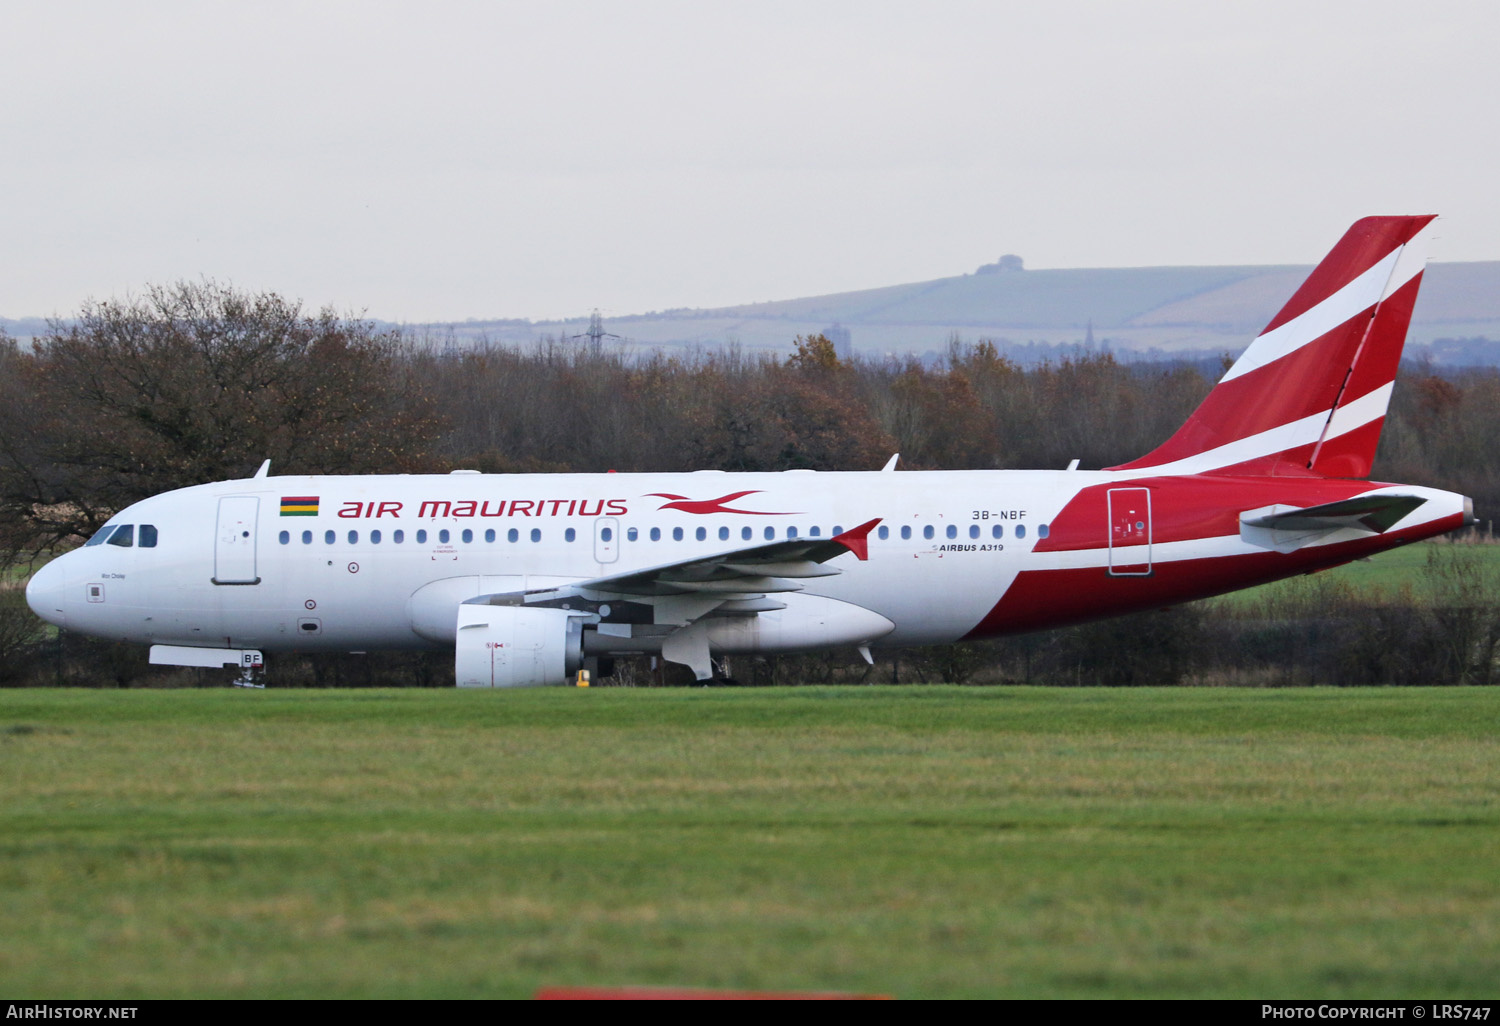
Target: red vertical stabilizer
1310,394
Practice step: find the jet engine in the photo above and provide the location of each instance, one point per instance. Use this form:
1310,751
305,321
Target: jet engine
516,647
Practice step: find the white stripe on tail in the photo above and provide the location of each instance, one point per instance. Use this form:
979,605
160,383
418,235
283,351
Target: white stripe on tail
1309,396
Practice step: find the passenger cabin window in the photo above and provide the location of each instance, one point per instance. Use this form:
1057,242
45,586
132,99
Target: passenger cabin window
398,537
701,533
837,530
489,535
928,532
353,537
632,534
791,532
677,534
374,537
605,534
148,536
329,537
443,536
536,534
124,536
906,533
306,537
814,532
1020,530
998,531
422,537
746,533
883,533
656,534
973,530
572,535
512,535
467,536
952,530
1042,531
285,538
770,533
723,534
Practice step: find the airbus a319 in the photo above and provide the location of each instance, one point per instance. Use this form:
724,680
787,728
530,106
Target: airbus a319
530,578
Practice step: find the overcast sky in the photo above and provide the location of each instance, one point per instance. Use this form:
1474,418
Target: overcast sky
442,161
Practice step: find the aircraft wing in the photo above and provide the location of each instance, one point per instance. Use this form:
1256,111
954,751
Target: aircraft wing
679,595
740,574
757,569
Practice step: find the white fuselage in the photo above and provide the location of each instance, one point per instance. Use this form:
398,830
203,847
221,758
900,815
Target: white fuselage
344,572
364,562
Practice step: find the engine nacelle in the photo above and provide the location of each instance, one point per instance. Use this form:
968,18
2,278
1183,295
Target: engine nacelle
807,622
431,606
516,647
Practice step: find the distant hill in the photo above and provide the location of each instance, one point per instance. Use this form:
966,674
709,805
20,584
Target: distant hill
24,327
1145,312
1149,311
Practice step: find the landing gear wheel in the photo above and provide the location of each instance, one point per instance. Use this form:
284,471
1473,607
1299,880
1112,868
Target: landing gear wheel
247,679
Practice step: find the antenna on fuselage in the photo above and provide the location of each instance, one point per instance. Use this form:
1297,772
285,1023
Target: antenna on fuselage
264,471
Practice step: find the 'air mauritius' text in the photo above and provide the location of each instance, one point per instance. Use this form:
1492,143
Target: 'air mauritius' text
436,508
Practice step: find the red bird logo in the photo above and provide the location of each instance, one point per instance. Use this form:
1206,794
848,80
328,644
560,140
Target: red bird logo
686,505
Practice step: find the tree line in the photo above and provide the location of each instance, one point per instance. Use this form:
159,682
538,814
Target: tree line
198,381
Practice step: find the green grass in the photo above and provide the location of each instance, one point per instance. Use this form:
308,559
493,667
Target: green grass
918,842
1387,576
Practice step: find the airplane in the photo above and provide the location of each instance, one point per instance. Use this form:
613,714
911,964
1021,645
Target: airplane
532,578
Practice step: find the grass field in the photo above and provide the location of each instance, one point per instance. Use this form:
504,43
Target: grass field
918,842
1383,577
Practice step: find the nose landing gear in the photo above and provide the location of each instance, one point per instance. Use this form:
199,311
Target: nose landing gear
252,670
249,660
249,674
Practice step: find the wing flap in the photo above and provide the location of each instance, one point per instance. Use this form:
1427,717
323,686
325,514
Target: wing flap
745,574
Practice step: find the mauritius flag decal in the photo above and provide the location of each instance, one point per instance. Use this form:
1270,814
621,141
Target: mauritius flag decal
299,505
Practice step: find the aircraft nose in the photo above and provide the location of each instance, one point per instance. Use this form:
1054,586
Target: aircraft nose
44,593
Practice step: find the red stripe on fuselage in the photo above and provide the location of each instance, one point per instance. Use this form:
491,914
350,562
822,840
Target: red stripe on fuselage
1187,508
1042,599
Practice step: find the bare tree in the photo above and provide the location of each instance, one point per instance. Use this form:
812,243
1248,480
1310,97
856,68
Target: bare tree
193,382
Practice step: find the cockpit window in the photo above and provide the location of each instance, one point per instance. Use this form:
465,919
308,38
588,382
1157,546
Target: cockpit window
123,535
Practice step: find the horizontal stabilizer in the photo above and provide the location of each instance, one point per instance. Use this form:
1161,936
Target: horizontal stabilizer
1375,513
